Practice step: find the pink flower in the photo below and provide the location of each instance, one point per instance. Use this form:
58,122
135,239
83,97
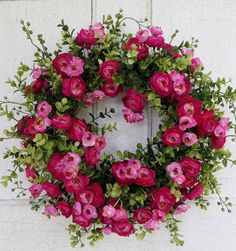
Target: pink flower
92,97
50,210
43,109
172,136
195,192
146,177
81,220
108,69
190,166
206,123
135,163
155,41
37,86
132,117
55,165
180,209
71,159
77,130
70,172
90,211
60,63
37,72
92,156
122,228
142,35
77,209
100,142
108,211
174,169
196,62
141,48
224,122
36,190
111,89
52,190
129,171
64,208
134,101
218,142
161,83
75,67
152,225
189,139
118,172
62,122
41,124
156,31
179,179
107,230
75,184
74,87
86,38
187,51
158,215
30,173
120,215
187,122
88,139
142,215
98,30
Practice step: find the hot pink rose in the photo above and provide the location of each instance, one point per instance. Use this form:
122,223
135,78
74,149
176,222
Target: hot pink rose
172,136
55,165
75,67
158,215
146,177
161,83
195,192
189,139
134,101
142,35
43,109
74,87
92,156
163,199
62,122
156,31
118,171
37,72
30,173
77,208
50,210
81,220
142,215
179,179
100,142
77,183
186,122
36,190
40,124
60,63
108,69
27,126
65,208
120,215
86,38
77,130
71,159
90,211
206,123
142,49
218,142
108,211
110,89
132,117
122,228
52,190
152,225
155,41
37,86
174,169
190,166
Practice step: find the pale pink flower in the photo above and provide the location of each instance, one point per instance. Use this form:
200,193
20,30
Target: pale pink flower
196,62
41,124
88,139
187,51
142,35
75,67
179,179
120,215
176,76
152,225
70,172
156,31
135,163
107,230
181,209
36,190
186,122
50,210
189,139
100,142
98,30
71,159
132,117
77,209
224,122
108,211
174,169
37,72
90,211
92,97
129,171
43,109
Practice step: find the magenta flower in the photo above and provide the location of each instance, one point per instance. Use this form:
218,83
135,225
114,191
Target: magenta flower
132,117
71,159
36,190
152,225
189,139
156,31
142,35
43,109
174,169
90,211
75,67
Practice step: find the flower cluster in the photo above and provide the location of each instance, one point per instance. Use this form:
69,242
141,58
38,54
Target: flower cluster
63,155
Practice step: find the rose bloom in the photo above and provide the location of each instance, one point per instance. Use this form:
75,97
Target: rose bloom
134,101
195,192
75,184
89,211
174,169
88,139
110,88
50,210
156,31
180,209
122,228
65,208
190,166
71,159
108,211
98,30
132,117
155,41
30,173
118,171
75,67
134,44
100,142
92,156
77,130
37,86
142,35
86,38
74,87
36,190
43,109
161,83
152,225
37,72
108,69
62,122
120,215
55,165
189,139
52,190
206,123
60,63
218,142
92,97
146,177
172,136
142,215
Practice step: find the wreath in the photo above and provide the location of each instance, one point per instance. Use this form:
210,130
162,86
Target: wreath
63,156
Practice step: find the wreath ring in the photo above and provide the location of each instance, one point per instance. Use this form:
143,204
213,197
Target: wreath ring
62,155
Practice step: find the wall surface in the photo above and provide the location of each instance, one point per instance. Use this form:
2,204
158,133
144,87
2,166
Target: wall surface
213,22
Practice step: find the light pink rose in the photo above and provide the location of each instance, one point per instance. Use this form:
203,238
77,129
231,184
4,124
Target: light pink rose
180,209
187,122
77,209
120,215
189,139
98,30
75,67
108,211
50,210
88,139
70,172
92,97
187,51
179,179
174,169
43,109
71,159
107,230
90,211
152,225
37,72
135,163
132,117
100,142
41,124
142,35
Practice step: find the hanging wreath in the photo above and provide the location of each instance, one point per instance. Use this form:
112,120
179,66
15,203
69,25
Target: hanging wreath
63,155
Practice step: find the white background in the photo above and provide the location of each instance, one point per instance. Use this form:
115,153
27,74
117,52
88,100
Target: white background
213,22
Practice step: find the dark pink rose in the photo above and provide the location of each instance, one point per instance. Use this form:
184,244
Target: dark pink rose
134,101
117,171
36,190
37,86
74,87
189,181
206,123
86,38
133,43
195,192
146,177
172,136
60,63
65,208
52,190
122,228
190,166
189,106
110,89
108,69
163,199
30,173
81,220
77,130
142,215
161,83
218,142
55,165
27,125
155,41
75,184
92,156
62,122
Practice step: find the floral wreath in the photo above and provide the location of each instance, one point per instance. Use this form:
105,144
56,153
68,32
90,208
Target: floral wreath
63,155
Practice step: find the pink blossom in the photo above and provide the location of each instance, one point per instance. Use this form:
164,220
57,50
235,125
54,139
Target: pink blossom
196,62
135,163
174,169
224,122
100,142
189,139
30,173
92,97
77,209
98,30
176,77
71,159
75,67
120,215
88,139
36,190
90,211
142,35
181,209
107,230
50,210
152,225
187,51
129,171
187,122
158,215
37,72
179,179
43,109
41,124
70,172
132,117
108,211
156,31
